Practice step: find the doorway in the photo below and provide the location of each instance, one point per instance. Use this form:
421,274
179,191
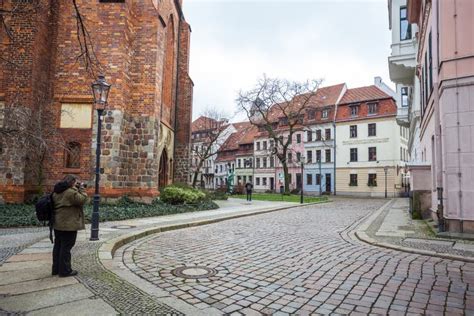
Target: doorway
163,171
299,181
328,182
272,183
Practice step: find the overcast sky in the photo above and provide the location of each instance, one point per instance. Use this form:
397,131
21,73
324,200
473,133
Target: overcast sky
234,42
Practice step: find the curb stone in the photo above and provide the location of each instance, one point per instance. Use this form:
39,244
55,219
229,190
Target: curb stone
360,233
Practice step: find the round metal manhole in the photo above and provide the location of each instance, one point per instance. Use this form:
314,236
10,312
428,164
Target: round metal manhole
123,226
194,272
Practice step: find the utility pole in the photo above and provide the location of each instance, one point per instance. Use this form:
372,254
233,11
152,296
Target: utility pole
302,179
385,169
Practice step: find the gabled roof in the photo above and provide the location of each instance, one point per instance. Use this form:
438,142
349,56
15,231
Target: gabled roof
362,94
327,96
244,131
204,123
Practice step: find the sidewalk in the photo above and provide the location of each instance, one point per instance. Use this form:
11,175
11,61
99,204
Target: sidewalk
26,284
392,227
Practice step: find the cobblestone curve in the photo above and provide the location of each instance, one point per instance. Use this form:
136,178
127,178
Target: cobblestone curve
126,298
302,261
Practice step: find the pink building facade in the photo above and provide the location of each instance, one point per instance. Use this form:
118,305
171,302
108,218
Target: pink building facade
445,69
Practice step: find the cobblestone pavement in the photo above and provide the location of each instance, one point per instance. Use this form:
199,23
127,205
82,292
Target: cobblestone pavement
13,240
301,261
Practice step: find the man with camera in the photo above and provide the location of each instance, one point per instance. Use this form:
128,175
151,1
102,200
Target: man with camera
69,198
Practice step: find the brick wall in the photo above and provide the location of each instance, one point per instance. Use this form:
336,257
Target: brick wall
130,43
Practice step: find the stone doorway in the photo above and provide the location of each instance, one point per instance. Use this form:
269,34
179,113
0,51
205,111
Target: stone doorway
163,171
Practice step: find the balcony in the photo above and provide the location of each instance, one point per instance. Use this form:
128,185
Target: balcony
403,117
402,62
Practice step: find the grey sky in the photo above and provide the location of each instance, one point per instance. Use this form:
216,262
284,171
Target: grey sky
235,41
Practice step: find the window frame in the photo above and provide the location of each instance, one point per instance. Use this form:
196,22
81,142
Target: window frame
374,154
353,180
408,32
353,128
353,151
372,128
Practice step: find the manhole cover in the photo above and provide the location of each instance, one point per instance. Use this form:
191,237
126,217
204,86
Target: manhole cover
123,226
194,272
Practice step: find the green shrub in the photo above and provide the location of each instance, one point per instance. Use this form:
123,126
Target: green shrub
176,195
14,215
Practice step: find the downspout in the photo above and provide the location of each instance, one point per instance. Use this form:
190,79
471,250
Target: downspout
334,146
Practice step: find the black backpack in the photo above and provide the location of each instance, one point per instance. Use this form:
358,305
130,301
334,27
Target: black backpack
45,212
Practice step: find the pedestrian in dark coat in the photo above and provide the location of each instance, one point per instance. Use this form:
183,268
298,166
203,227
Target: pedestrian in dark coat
248,189
69,198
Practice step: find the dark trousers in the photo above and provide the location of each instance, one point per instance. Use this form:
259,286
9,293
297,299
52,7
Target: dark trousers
249,195
63,243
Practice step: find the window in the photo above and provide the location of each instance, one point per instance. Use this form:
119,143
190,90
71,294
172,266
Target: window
353,180
239,179
264,145
2,114
430,61
311,114
73,155
353,154
272,143
264,160
318,155
328,133
258,145
258,162
325,114
353,131
373,108
238,163
405,26
309,156
318,135
309,136
298,157
289,157
220,168
264,181
318,179
328,155
354,110
298,138
309,179
272,162
404,96
372,153
258,181
372,180
372,129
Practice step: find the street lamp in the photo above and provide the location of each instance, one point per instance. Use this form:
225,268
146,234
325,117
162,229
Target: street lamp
100,90
302,178
385,169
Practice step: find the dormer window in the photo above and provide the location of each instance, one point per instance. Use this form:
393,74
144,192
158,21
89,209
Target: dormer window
354,110
325,114
373,108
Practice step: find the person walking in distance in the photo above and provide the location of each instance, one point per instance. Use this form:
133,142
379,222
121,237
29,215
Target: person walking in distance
69,198
248,189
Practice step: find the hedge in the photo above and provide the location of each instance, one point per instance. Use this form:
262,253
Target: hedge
13,215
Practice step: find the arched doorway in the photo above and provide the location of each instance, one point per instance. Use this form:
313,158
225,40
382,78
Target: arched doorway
163,171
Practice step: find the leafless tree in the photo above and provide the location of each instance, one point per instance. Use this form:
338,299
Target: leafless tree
43,11
277,107
212,134
33,138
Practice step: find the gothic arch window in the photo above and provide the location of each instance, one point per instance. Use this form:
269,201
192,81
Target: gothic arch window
168,72
73,155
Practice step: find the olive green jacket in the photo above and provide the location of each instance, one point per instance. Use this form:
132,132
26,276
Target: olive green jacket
68,209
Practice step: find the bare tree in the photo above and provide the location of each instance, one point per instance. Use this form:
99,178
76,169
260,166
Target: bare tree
43,12
33,139
277,107
213,131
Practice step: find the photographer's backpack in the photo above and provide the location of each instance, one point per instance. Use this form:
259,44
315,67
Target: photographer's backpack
44,212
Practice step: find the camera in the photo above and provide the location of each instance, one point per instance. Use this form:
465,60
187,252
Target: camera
81,185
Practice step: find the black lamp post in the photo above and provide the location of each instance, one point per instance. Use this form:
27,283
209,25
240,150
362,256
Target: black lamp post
302,178
385,169
100,90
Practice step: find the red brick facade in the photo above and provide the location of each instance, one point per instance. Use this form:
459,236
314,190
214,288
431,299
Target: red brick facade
143,48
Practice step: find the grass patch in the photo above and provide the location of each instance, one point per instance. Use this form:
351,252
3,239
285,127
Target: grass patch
285,198
15,215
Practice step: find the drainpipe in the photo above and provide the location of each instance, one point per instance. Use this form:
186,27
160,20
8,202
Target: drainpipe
334,164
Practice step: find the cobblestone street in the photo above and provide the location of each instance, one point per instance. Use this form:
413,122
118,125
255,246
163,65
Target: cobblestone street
302,261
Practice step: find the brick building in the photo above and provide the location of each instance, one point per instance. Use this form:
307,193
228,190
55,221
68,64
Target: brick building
143,47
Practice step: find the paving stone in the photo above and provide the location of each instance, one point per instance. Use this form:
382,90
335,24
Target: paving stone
35,285
42,299
82,307
429,241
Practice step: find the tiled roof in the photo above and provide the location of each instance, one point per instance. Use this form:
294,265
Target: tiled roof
363,94
203,123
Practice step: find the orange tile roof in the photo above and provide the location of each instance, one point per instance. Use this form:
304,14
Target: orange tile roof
363,94
204,123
